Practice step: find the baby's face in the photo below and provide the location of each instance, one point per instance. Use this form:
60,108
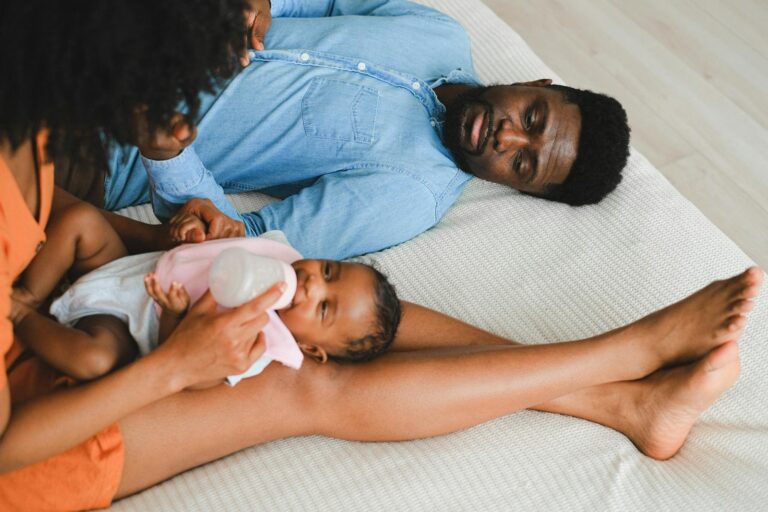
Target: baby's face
334,303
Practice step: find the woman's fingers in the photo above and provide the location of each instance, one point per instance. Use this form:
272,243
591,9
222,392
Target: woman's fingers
260,27
248,311
165,142
204,304
258,19
211,344
257,349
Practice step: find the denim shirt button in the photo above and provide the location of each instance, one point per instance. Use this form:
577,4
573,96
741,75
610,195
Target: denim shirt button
416,85
304,57
361,66
433,123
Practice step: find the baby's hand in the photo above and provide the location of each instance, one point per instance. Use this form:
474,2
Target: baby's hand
187,227
175,301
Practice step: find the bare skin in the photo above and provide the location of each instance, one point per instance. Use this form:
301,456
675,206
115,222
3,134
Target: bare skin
456,389
79,239
207,345
594,379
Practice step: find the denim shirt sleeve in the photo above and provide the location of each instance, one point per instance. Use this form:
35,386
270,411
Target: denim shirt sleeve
174,182
349,213
343,214
323,8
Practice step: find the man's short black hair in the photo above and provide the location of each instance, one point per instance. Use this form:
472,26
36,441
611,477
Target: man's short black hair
603,149
382,333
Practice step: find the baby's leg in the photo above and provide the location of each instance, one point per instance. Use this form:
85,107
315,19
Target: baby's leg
79,240
97,345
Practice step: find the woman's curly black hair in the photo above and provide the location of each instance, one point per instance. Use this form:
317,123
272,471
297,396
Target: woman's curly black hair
81,68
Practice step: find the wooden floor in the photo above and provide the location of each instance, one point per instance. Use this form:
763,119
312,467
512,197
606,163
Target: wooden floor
693,76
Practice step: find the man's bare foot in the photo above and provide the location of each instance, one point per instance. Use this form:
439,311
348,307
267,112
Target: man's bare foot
689,329
669,402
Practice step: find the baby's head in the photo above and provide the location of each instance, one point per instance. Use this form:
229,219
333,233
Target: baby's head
341,311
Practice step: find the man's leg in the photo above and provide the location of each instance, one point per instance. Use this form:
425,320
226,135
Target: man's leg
414,394
684,331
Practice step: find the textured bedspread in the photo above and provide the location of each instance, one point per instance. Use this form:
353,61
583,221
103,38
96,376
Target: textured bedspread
536,272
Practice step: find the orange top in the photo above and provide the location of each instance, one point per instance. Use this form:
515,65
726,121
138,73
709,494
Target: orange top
87,475
21,236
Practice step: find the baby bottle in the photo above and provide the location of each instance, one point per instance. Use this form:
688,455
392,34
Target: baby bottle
237,276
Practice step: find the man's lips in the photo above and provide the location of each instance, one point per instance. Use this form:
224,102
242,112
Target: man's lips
476,128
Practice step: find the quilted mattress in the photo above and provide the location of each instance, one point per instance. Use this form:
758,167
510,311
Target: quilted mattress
535,272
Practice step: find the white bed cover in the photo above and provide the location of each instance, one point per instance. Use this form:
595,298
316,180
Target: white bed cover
536,272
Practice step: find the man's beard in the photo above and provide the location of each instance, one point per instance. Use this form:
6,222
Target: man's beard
454,119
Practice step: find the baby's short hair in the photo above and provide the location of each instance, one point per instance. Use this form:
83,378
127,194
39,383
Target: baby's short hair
382,333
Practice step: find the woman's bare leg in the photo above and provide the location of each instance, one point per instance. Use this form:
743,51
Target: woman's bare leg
389,399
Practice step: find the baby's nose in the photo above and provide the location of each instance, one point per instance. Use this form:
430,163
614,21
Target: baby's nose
315,287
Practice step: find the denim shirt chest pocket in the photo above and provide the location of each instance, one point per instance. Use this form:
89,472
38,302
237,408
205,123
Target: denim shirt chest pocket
342,111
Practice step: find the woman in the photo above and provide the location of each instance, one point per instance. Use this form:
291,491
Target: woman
132,429
70,75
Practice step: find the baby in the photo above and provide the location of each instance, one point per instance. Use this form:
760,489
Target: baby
342,311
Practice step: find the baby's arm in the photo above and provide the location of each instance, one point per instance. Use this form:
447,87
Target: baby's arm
174,304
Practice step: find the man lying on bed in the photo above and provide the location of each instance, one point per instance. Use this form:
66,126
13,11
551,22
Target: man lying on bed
361,124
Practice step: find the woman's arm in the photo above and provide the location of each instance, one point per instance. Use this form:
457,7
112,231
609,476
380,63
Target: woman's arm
207,345
423,328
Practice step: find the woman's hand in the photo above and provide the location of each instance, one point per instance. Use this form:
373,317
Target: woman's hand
164,143
210,344
202,212
258,18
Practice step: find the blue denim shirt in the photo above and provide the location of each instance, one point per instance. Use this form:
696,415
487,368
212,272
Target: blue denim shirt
338,116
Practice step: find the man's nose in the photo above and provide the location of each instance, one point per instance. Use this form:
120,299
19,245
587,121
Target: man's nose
509,137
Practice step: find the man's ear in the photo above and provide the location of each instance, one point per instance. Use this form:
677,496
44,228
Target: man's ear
541,82
317,353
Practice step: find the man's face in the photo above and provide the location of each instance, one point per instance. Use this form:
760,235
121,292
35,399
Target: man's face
525,136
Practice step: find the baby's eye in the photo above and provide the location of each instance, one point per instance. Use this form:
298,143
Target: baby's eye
323,309
327,270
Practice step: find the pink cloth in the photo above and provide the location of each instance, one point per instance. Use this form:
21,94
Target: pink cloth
190,264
